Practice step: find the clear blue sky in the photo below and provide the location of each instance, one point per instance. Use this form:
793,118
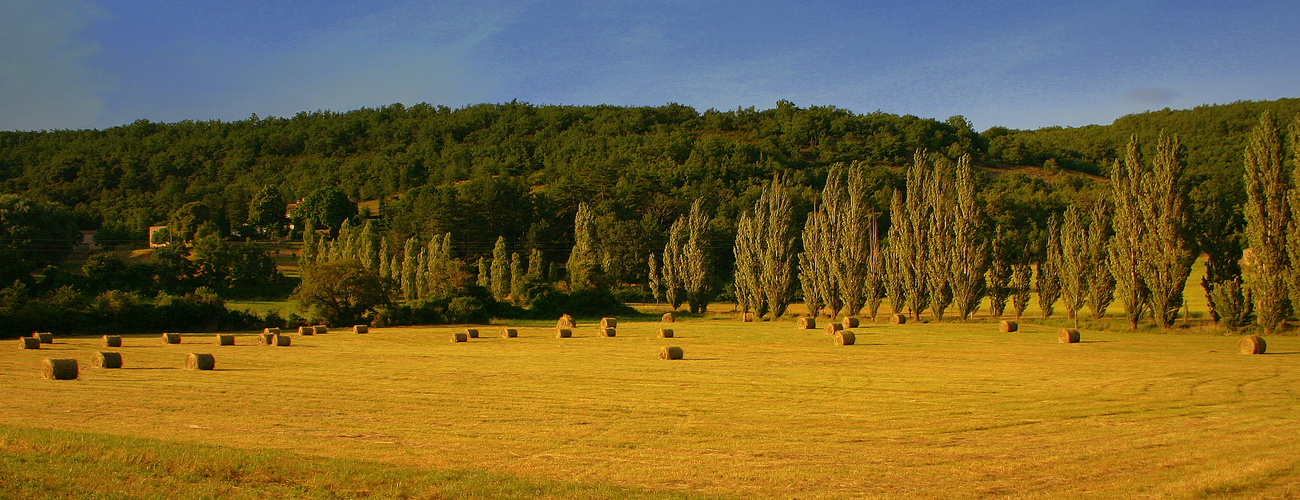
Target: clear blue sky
68,64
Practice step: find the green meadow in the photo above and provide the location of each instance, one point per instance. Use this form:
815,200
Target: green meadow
755,410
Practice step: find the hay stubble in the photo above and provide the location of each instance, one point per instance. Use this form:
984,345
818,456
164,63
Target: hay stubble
931,410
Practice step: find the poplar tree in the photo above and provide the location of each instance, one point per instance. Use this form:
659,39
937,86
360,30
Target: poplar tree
1126,245
765,253
896,256
484,273
584,261
1101,283
656,282
410,264
500,270
1268,217
1022,275
1000,273
1167,258
517,278
851,224
876,274
673,266
939,198
1049,270
368,247
816,265
537,265
1072,262
968,253
698,264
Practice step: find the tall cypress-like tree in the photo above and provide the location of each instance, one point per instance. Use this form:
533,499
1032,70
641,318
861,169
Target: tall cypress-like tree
1022,276
584,261
484,273
500,270
940,198
698,278
851,234
968,252
897,256
410,266
816,264
1072,262
673,266
1000,273
1168,256
1101,283
655,279
765,252
1268,217
517,278
1049,270
876,274
1126,246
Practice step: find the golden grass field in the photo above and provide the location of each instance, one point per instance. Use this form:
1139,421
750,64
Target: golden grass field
755,410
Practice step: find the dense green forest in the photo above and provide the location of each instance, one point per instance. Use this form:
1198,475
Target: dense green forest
519,172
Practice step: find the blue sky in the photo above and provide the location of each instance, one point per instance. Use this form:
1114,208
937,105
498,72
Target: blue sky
70,64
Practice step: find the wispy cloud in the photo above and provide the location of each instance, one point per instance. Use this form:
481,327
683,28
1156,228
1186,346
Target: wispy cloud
45,79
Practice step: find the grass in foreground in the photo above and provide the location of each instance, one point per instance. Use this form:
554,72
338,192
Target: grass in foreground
757,410
38,464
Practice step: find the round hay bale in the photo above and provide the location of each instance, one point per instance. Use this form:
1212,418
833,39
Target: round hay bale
112,341
171,338
282,340
807,323
563,333
225,340
265,339
509,333
274,331
1068,336
200,362
831,328
665,333
321,329
472,333
306,330
747,317
608,332
668,318
897,319
59,369
845,337
106,360
360,329
566,321
609,322
1252,344
850,322
1008,326
44,337
459,337
670,352
29,343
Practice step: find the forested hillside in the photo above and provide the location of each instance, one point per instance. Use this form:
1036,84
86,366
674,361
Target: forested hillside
518,172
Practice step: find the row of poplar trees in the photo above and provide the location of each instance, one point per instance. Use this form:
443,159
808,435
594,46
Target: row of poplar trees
941,253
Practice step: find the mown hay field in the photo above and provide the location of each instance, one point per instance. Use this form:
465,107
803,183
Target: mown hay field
754,410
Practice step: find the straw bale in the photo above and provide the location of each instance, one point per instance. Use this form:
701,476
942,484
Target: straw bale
609,322
29,343
509,333
670,352
1068,336
831,328
282,340
171,338
1007,326
1252,344
459,337
225,340
807,323
200,362
44,337
898,319
471,332
563,333
106,360
265,339
566,321
112,341
360,329
665,333
321,329
59,369
306,330
668,318
608,332
850,322
845,337
273,331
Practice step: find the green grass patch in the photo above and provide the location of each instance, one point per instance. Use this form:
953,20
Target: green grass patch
55,464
